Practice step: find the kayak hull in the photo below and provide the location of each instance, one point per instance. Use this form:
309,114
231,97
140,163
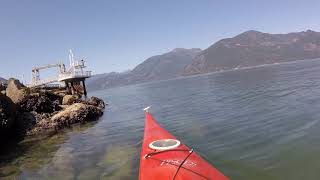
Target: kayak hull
177,163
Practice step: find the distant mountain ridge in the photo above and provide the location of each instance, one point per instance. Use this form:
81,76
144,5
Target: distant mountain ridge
160,67
254,48
251,48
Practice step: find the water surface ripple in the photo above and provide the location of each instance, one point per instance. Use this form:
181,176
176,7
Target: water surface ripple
252,124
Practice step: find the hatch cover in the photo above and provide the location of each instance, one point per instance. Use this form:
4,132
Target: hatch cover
164,144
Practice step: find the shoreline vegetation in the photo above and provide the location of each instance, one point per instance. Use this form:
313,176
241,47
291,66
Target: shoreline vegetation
33,111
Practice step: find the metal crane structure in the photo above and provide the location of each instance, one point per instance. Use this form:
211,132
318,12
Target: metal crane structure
71,77
36,81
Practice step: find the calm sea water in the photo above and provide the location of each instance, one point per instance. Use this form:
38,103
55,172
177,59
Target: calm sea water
252,124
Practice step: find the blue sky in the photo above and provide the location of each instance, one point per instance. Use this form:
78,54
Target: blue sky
116,35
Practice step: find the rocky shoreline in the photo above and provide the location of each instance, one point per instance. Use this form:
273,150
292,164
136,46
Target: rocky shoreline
30,111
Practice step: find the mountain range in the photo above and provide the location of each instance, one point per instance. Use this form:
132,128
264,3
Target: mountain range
254,48
247,49
160,67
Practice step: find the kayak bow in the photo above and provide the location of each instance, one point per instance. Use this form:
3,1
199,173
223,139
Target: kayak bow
164,157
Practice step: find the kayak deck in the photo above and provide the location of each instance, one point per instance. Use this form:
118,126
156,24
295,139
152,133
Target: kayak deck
176,163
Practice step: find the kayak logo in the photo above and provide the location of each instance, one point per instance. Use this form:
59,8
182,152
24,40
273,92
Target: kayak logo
178,163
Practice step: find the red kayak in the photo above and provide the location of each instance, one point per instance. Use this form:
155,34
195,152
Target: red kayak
164,157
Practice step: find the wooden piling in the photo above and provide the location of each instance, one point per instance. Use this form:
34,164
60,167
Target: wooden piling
84,88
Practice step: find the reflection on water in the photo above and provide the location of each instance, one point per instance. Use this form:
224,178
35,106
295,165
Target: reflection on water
260,123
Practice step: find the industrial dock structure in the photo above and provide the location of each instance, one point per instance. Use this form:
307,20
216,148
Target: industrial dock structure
72,78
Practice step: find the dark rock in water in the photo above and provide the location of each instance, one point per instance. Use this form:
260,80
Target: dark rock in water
76,113
94,101
47,111
24,122
16,91
7,112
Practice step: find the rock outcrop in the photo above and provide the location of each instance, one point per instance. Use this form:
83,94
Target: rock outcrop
94,101
41,102
69,99
75,113
42,110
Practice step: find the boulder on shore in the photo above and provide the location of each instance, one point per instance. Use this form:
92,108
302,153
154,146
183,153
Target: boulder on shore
16,91
77,113
7,112
69,99
41,102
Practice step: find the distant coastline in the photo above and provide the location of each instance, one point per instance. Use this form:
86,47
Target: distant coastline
215,72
